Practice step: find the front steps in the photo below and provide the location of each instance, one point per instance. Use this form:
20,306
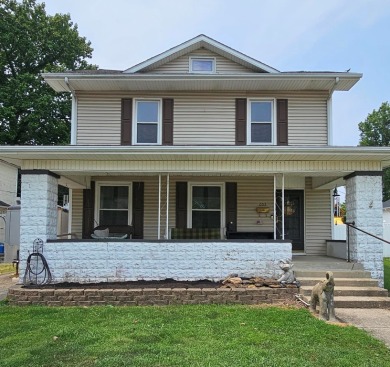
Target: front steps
353,288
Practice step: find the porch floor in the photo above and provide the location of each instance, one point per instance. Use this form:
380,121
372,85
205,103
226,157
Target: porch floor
303,262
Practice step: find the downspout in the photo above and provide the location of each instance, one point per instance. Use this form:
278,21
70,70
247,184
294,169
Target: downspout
329,111
73,121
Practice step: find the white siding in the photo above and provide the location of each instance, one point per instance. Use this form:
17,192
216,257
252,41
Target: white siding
99,120
181,64
318,220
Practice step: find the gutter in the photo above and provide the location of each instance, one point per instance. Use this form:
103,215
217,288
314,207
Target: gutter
330,111
73,121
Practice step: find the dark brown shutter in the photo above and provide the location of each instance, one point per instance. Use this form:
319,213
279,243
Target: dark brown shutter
167,121
88,211
282,121
241,121
138,210
181,204
231,206
126,121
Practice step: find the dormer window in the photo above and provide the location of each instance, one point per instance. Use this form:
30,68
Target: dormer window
202,65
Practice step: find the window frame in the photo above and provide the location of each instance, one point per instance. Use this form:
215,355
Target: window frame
249,122
207,58
136,122
221,185
98,185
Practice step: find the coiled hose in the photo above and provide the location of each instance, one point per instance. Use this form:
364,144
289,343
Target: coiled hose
37,270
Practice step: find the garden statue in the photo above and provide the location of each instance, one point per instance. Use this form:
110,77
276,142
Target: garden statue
288,276
322,294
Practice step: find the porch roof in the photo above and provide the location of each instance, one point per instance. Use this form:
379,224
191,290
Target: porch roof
19,154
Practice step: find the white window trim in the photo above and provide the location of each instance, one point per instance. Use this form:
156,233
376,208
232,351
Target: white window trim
273,122
98,185
213,59
135,122
189,200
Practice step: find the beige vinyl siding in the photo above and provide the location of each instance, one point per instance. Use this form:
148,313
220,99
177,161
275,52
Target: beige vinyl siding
204,120
201,119
77,213
98,120
318,220
250,193
181,64
307,120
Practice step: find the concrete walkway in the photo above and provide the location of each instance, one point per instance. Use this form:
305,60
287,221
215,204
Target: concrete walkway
375,321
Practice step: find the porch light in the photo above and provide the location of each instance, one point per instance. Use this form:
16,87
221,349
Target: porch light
335,193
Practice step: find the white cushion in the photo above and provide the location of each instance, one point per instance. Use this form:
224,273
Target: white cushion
101,232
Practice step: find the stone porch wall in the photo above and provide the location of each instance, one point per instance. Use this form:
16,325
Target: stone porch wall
149,296
100,261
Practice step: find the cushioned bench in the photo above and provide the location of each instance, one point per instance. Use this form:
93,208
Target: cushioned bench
195,233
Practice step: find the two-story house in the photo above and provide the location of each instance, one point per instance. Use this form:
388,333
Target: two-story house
208,161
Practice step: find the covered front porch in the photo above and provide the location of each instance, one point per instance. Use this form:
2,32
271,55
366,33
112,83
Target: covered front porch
246,193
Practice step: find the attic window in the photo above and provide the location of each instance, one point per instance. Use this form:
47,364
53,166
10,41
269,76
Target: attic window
205,65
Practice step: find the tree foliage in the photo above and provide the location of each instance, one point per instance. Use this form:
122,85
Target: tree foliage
33,42
375,131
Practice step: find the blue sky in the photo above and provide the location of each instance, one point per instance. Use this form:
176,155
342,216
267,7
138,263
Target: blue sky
289,35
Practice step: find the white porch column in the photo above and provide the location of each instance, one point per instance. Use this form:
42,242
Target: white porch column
364,207
38,214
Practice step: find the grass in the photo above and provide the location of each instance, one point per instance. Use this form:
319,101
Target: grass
7,268
194,335
386,266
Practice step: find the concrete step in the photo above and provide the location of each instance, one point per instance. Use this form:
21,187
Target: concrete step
341,282
357,302
336,274
351,291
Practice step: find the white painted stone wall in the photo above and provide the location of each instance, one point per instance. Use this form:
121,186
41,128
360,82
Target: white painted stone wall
364,207
153,260
38,213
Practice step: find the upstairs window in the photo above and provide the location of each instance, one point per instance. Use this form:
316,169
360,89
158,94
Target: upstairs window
261,122
203,65
147,121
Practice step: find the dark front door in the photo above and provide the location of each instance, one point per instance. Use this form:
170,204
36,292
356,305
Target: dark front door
293,217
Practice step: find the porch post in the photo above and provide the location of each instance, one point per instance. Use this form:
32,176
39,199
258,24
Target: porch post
38,214
167,215
364,207
159,207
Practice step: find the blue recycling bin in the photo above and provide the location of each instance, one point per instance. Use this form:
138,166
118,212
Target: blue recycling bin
1,248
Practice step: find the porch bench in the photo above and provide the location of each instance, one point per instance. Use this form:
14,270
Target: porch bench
195,233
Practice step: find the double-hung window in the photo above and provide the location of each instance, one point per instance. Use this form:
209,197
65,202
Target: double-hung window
203,65
261,121
147,118
113,204
206,206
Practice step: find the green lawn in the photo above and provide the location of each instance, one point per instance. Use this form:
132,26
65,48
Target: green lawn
194,335
7,268
386,265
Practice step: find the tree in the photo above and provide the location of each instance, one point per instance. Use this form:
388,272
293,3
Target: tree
375,131
32,42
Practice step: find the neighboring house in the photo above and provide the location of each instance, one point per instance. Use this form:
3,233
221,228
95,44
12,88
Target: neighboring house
8,192
200,141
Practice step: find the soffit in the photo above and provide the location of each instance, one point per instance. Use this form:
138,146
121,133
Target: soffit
64,82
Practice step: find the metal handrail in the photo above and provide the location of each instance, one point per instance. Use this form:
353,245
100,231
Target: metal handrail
352,225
